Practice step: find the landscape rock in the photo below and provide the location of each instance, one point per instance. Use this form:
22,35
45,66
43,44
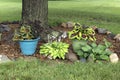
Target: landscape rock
117,37
0,36
94,28
111,36
83,60
67,25
101,31
4,28
64,25
4,59
71,56
108,32
114,58
64,34
53,36
70,24
84,26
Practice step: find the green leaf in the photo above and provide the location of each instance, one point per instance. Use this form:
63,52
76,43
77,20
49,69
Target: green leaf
107,44
93,45
86,48
80,53
104,57
101,47
86,55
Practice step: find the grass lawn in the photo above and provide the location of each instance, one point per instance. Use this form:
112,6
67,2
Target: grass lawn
52,70
103,13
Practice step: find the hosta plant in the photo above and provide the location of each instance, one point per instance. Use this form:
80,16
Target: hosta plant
82,33
54,49
24,33
78,47
95,51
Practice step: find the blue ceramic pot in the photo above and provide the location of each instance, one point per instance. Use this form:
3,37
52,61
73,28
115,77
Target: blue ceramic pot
28,47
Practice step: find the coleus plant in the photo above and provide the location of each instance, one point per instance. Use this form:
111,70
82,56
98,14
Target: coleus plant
24,33
82,33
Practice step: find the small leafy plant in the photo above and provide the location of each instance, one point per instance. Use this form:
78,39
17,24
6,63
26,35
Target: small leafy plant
78,47
54,49
82,33
96,52
24,33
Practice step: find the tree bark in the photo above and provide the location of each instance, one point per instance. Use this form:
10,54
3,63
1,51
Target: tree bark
35,14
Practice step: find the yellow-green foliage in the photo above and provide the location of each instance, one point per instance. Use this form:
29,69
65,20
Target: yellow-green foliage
81,33
54,49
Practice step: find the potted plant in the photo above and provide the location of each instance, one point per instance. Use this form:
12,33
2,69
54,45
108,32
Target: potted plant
54,49
27,41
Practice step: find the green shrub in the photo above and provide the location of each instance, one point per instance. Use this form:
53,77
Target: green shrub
54,49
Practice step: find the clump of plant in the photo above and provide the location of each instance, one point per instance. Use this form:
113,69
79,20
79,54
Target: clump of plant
98,52
24,33
82,33
78,47
54,49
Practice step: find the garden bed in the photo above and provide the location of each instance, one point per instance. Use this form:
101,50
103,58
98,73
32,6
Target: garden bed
11,49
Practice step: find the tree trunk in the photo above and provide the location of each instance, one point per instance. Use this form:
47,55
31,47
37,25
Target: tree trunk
35,14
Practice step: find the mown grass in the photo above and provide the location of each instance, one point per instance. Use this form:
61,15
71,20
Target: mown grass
94,12
10,10
102,13
52,70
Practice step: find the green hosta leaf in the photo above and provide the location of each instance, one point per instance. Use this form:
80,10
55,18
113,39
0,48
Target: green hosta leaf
107,44
80,53
86,48
104,57
93,45
92,56
86,54
101,47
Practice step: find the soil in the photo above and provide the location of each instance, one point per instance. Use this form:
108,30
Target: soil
11,48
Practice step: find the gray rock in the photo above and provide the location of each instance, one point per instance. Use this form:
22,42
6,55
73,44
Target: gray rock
117,37
70,24
53,36
4,59
83,60
84,26
71,56
114,58
0,36
101,30
64,25
111,35
4,28
64,34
